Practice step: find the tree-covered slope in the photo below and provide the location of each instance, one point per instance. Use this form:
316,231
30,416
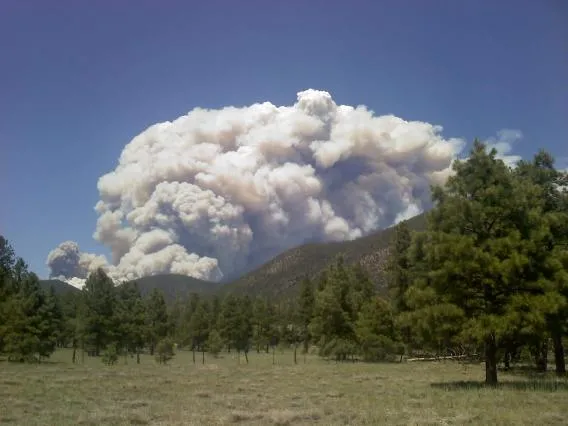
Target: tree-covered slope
280,276
174,285
60,287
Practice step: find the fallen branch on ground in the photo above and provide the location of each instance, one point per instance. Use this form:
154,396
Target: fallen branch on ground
437,358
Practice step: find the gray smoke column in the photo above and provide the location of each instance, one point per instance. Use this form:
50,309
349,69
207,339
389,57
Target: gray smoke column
217,192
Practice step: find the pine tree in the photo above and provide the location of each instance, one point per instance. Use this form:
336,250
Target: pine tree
333,320
485,233
552,182
30,332
306,306
263,323
52,323
242,331
199,328
187,311
130,319
7,261
156,319
398,266
70,305
376,332
214,343
228,318
98,322
175,320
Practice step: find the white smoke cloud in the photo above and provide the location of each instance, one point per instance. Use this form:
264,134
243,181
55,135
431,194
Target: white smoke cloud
503,144
216,192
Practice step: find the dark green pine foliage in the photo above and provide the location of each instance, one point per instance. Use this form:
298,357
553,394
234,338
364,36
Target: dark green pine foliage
199,328
377,335
333,320
228,318
398,266
30,331
262,324
71,303
53,323
7,262
97,324
306,305
130,319
361,289
428,322
156,319
554,264
242,332
175,320
189,308
485,234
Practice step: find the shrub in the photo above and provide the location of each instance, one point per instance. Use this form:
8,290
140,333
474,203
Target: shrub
110,355
215,343
164,351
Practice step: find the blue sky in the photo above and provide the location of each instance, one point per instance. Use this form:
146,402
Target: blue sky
79,79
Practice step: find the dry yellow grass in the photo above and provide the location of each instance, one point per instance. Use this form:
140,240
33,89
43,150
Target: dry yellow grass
224,392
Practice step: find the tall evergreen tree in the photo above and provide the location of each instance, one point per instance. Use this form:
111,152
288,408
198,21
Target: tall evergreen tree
485,234
333,320
398,266
376,332
553,184
130,319
306,306
98,322
261,323
7,261
242,332
31,327
156,319
228,318
199,328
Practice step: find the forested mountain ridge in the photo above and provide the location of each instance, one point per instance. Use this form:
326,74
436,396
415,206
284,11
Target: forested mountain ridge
280,277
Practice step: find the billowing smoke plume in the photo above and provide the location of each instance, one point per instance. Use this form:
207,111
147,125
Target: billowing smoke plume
217,192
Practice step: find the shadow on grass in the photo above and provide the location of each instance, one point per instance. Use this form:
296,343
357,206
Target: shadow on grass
43,362
531,373
519,385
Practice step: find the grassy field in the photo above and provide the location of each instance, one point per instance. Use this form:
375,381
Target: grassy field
317,392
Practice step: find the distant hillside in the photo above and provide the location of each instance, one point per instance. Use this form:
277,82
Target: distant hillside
60,287
173,285
279,277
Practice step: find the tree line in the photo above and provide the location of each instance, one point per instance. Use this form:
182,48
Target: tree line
488,278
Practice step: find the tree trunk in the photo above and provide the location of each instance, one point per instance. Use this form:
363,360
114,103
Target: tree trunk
295,353
267,348
273,355
491,361
137,356
540,353
74,354
507,360
203,355
559,354
246,357
193,350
